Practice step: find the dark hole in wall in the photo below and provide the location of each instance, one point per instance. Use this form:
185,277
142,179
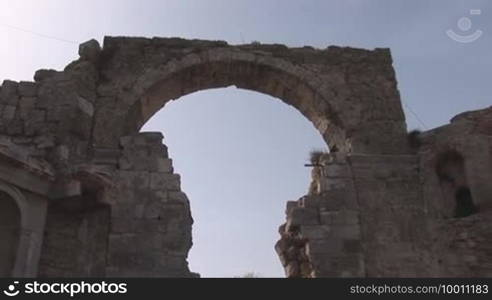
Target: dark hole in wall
464,203
450,169
450,166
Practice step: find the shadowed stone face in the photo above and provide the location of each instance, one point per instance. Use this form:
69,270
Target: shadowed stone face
10,228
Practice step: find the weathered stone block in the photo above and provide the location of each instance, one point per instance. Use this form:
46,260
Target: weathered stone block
44,141
27,89
160,181
352,246
346,231
43,74
152,137
130,180
303,216
293,269
36,122
340,217
315,232
310,201
290,206
106,156
178,197
337,171
123,210
163,165
15,127
8,112
26,106
338,199
90,50
124,163
8,93
153,210
332,246
327,184
122,225
85,106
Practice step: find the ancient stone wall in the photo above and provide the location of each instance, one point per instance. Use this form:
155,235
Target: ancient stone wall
460,244
402,215
328,223
342,91
75,242
150,233
70,146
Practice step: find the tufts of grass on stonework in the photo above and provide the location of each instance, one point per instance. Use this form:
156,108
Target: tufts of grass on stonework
315,156
414,139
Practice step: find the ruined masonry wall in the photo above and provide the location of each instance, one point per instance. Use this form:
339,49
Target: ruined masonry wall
461,245
115,206
75,243
150,231
389,216
324,227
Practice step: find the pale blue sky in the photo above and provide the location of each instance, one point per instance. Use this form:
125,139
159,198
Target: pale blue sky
241,153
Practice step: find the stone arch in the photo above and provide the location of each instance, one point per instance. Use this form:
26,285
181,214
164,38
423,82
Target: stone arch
12,221
262,78
274,77
347,94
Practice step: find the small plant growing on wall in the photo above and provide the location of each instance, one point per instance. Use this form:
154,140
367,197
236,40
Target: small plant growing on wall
315,157
414,139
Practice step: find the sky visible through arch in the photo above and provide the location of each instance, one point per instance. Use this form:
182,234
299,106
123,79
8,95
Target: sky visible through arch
241,156
219,138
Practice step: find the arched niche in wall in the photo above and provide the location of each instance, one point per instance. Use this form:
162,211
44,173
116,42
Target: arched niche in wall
13,207
10,230
451,171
